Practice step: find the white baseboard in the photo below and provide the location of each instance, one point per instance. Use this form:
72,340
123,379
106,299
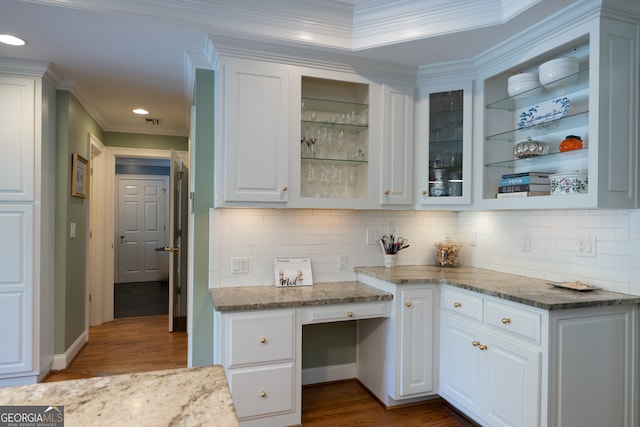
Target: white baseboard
61,361
325,374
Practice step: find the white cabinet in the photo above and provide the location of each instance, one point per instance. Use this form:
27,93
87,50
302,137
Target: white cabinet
508,364
493,378
396,162
259,350
17,124
27,141
402,346
300,137
444,139
253,138
594,103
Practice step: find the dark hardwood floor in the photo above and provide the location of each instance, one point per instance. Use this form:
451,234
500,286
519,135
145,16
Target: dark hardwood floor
347,403
140,344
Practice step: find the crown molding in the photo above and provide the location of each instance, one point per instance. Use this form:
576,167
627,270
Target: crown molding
23,67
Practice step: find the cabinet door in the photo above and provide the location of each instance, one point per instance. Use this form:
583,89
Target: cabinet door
416,319
255,138
460,364
17,138
16,289
512,385
444,158
396,169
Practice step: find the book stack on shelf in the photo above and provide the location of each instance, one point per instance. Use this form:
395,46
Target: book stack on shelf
524,184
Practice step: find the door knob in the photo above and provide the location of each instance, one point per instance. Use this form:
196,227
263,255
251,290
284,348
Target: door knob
122,236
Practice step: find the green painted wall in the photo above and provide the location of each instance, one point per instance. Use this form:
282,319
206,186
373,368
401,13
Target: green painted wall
201,337
328,344
137,140
73,124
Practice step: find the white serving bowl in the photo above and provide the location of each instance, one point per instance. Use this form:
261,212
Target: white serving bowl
569,183
552,71
523,82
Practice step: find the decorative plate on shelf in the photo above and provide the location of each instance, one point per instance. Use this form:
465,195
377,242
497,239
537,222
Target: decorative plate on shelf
543,112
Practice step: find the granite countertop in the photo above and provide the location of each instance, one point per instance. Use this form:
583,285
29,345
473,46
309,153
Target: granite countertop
526,290
175,397
265,297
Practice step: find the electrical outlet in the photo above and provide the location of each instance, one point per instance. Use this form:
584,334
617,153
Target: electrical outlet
526,243
586,246
239,265
373,236
342,262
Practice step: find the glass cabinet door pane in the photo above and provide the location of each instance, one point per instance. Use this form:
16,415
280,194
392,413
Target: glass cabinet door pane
445,143
334,138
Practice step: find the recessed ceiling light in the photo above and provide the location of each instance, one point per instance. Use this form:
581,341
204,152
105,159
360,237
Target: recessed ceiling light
140,111
12,40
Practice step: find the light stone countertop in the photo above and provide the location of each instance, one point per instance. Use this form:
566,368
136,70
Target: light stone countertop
265,297
526,290
175,397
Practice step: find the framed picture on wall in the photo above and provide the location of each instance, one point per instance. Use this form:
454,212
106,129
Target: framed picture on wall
79,176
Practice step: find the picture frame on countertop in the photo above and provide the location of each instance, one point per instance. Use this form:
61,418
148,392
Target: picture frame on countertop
79,176
291,272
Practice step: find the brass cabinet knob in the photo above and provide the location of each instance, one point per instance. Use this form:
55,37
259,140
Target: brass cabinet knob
263,340
482,347
475,343
408,303
506,320
457,304
263,394
424,192
349,314
284,188
386,192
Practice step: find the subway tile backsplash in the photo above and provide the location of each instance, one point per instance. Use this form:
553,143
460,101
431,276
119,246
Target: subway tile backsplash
539,244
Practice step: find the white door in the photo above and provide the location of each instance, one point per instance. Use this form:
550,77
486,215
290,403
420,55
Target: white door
177,239
141,227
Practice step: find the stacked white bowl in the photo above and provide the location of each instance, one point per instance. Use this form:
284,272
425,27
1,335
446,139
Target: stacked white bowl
523,82
552,71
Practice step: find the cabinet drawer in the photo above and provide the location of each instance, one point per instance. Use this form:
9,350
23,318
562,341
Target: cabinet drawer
517,321
263,391
342,312
260,338
462,304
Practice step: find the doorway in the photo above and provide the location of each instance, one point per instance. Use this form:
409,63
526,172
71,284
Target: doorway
101,292
142,211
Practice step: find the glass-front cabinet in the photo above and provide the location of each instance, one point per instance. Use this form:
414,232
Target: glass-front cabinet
334,139
444,158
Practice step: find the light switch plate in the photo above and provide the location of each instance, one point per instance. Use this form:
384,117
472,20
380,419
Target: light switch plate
239,265
72,230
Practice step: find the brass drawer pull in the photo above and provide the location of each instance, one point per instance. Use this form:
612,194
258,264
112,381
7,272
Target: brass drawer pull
506,320
482,347
408,303
475,343
457,304
263,340
263,394
349,314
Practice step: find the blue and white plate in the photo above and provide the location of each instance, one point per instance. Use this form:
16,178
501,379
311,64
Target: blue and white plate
543,112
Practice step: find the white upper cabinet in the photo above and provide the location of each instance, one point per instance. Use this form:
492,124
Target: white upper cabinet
300,137
396,166
253,137
596,101
17,138
444,127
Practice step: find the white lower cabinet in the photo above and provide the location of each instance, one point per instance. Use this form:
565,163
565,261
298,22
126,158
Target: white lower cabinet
508,364
396,356
259,350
